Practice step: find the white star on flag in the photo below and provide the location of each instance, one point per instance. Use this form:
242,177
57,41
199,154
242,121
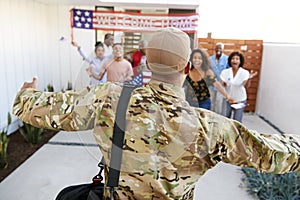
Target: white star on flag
78,24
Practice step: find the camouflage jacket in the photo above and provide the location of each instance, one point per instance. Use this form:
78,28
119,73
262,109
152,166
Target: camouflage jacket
168,145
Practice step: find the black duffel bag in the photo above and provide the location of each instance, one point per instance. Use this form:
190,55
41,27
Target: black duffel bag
89,191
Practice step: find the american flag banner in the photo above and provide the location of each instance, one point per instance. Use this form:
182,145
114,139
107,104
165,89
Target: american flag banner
125,21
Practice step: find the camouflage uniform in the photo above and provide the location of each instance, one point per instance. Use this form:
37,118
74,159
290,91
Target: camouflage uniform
168,144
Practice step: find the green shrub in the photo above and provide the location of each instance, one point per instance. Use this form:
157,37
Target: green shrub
272,186
4,143
31,134
50,88
69,86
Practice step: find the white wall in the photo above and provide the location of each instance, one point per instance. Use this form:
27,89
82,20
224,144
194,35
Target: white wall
278,94
23,47
30,46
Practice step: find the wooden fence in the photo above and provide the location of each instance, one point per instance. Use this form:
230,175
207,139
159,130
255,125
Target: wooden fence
252,51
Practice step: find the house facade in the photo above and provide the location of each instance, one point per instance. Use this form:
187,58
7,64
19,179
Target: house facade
35,40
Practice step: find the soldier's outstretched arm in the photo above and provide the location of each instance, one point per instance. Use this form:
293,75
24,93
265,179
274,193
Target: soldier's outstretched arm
231,142
69,111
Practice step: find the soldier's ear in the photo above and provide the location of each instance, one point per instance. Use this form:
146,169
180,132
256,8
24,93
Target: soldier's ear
187,67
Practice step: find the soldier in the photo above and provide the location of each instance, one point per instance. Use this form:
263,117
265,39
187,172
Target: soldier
168,144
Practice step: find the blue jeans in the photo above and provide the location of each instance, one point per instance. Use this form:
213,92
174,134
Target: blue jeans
205,104
237,113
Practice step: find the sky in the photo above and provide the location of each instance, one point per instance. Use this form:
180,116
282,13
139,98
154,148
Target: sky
271,21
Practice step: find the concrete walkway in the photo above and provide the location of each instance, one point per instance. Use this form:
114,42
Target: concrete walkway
65,161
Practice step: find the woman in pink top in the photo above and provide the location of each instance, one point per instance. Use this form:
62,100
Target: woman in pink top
118,69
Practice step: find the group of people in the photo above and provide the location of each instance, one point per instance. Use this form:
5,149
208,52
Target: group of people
218,82
168,144
109,64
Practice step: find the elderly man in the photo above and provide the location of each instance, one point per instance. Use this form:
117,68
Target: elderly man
107,44
168,144
218,63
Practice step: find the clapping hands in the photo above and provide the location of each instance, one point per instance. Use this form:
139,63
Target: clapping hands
89,70
252,74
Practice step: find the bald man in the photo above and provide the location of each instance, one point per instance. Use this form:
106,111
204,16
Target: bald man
168,144
218,62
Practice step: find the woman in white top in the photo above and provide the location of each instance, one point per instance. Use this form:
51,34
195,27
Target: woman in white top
235,80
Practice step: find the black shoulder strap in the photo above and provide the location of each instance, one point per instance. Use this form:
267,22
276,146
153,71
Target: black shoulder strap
118,136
